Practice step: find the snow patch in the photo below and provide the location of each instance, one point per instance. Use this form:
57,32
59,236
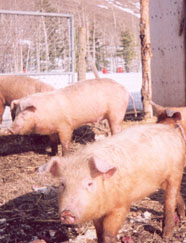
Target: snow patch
118,5
102,6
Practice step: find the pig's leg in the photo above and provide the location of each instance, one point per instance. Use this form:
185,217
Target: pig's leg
115,120
180,206
112,223
2,108
65,136
99,229
171,192
115,126
54,143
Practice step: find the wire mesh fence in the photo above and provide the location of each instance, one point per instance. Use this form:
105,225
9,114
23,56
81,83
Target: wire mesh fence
37,44
34,42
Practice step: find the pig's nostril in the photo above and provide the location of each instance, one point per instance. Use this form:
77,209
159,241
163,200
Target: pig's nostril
67,217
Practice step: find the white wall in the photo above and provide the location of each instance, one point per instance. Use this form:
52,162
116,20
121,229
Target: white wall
168,52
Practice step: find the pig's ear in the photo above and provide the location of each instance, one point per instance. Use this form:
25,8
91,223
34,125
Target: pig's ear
176,115
14,104
169,114
162,117
27,104
102,167
157,108
53,166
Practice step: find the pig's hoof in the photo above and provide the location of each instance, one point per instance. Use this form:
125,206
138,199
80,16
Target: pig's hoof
167,236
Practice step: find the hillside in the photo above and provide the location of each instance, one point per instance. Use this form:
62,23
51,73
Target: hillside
118,14
109,18
108,14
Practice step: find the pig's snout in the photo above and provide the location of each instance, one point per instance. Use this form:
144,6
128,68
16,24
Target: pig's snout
67,217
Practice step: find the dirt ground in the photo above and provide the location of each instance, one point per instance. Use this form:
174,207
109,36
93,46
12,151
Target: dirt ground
28,202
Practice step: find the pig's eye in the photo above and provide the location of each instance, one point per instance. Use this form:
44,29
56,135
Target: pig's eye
62,185
90,186
90,183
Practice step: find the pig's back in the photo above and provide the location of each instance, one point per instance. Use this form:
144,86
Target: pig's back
151,146
93,100
144,155
136,139
94,87
16,87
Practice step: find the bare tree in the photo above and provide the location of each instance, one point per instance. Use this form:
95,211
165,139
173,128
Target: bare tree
46,43
91,56
82,54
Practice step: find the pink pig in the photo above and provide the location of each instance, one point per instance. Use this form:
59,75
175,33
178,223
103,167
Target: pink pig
15,87
101,180
61,111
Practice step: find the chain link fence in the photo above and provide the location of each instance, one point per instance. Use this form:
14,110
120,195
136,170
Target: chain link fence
36,43
39,45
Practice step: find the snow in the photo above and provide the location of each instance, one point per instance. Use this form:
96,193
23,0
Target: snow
102,6
118,5
131,81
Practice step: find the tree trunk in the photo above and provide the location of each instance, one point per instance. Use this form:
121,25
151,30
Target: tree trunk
82,54
21,57
91,58
146,55
46,43
94,43
38,56
93,66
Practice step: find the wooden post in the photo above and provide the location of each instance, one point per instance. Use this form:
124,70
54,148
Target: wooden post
146,55
82,54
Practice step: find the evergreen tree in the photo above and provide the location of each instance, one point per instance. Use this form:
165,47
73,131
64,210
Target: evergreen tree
126,50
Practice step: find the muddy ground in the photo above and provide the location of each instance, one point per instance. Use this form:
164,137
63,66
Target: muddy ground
28,202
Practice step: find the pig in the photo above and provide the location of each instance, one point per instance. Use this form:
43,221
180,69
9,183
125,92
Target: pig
168,110
172,116
101,180
59,112
15,87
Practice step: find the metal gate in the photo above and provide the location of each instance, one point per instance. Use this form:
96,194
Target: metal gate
36,43
168,52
